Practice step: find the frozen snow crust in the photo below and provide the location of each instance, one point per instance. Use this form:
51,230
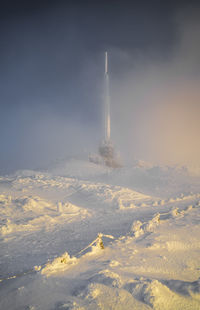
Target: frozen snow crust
52,256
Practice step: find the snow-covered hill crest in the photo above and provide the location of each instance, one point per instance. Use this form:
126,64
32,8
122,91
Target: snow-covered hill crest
90,237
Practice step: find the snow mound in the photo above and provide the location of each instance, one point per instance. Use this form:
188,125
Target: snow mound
100,296
139,228
159,296
59,264
116,196
31,213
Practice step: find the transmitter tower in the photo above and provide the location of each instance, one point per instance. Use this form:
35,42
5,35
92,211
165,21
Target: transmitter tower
106,149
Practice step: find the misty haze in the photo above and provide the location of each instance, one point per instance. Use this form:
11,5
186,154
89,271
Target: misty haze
100,155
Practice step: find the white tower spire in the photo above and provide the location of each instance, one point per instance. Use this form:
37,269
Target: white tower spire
106,149
106,62
107,101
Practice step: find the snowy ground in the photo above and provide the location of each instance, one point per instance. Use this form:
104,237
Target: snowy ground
151,255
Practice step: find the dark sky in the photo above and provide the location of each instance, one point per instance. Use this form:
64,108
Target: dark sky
51,60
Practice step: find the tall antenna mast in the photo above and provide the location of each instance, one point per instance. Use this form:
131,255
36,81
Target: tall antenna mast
107,101
106,149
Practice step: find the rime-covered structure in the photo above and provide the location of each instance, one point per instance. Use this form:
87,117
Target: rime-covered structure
106,149
107,101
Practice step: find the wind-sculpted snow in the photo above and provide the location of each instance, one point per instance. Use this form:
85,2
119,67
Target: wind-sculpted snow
53,257
115,196
102,193
134,272
34,213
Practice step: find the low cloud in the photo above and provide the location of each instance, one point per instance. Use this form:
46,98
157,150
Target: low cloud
156,106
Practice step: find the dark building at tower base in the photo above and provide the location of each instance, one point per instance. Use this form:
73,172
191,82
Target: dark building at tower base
106,151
